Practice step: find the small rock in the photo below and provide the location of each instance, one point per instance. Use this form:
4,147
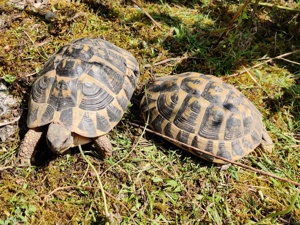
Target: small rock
8,112
49,16
7,131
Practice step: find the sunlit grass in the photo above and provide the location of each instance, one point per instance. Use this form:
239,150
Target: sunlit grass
155,182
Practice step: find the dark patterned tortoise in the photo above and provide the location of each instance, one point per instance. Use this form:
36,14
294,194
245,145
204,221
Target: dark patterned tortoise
204,112
80,94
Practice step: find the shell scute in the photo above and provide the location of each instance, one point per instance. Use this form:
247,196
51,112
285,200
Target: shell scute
85,86
237,149
211,122
223,151
183,136
204,112
94,99
40,89
48,114
66,116
61,95
102,123
87,124
114,113
233,128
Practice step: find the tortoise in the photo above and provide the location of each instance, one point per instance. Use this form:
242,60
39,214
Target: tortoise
79,95
204,112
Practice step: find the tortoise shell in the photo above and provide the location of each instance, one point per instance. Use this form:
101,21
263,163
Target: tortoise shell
85,86
204,112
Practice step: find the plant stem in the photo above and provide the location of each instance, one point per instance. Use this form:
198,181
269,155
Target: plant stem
99,181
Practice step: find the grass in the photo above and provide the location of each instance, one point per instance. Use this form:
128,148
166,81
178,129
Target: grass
147,180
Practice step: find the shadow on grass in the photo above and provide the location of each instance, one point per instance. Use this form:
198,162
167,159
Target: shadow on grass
219,48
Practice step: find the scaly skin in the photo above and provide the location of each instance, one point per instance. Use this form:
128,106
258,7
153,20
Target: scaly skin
27,149
266,143
103,146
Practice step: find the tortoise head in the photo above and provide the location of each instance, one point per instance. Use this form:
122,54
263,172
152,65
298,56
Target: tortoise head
59,139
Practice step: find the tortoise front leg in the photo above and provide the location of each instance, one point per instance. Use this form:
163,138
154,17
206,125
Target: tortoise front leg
103,146
266,143
27,149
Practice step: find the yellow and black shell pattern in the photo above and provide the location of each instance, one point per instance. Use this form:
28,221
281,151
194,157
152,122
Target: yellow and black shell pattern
204,112
85,86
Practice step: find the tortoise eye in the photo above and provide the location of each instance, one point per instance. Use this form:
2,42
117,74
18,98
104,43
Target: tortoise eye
90,89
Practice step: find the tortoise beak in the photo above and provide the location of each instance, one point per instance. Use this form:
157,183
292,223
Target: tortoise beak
59,139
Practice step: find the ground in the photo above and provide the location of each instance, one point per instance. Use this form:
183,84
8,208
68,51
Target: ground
147,180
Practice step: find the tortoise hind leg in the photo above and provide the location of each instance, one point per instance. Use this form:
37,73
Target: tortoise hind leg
266,143
103,146
27,149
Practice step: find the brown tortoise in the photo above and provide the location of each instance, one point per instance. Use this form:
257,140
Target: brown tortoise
204,112
80,94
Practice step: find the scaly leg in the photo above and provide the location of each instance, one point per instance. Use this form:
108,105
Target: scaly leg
27,149
103,146
266,143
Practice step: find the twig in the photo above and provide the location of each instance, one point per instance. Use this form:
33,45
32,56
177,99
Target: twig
147,14
168,60
80,187
132,149
170,32
60,189
255,81
277,6
264,62
31,74
239,12
5,168
34,45
219,157
250,75
107,214
10,122
290,61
